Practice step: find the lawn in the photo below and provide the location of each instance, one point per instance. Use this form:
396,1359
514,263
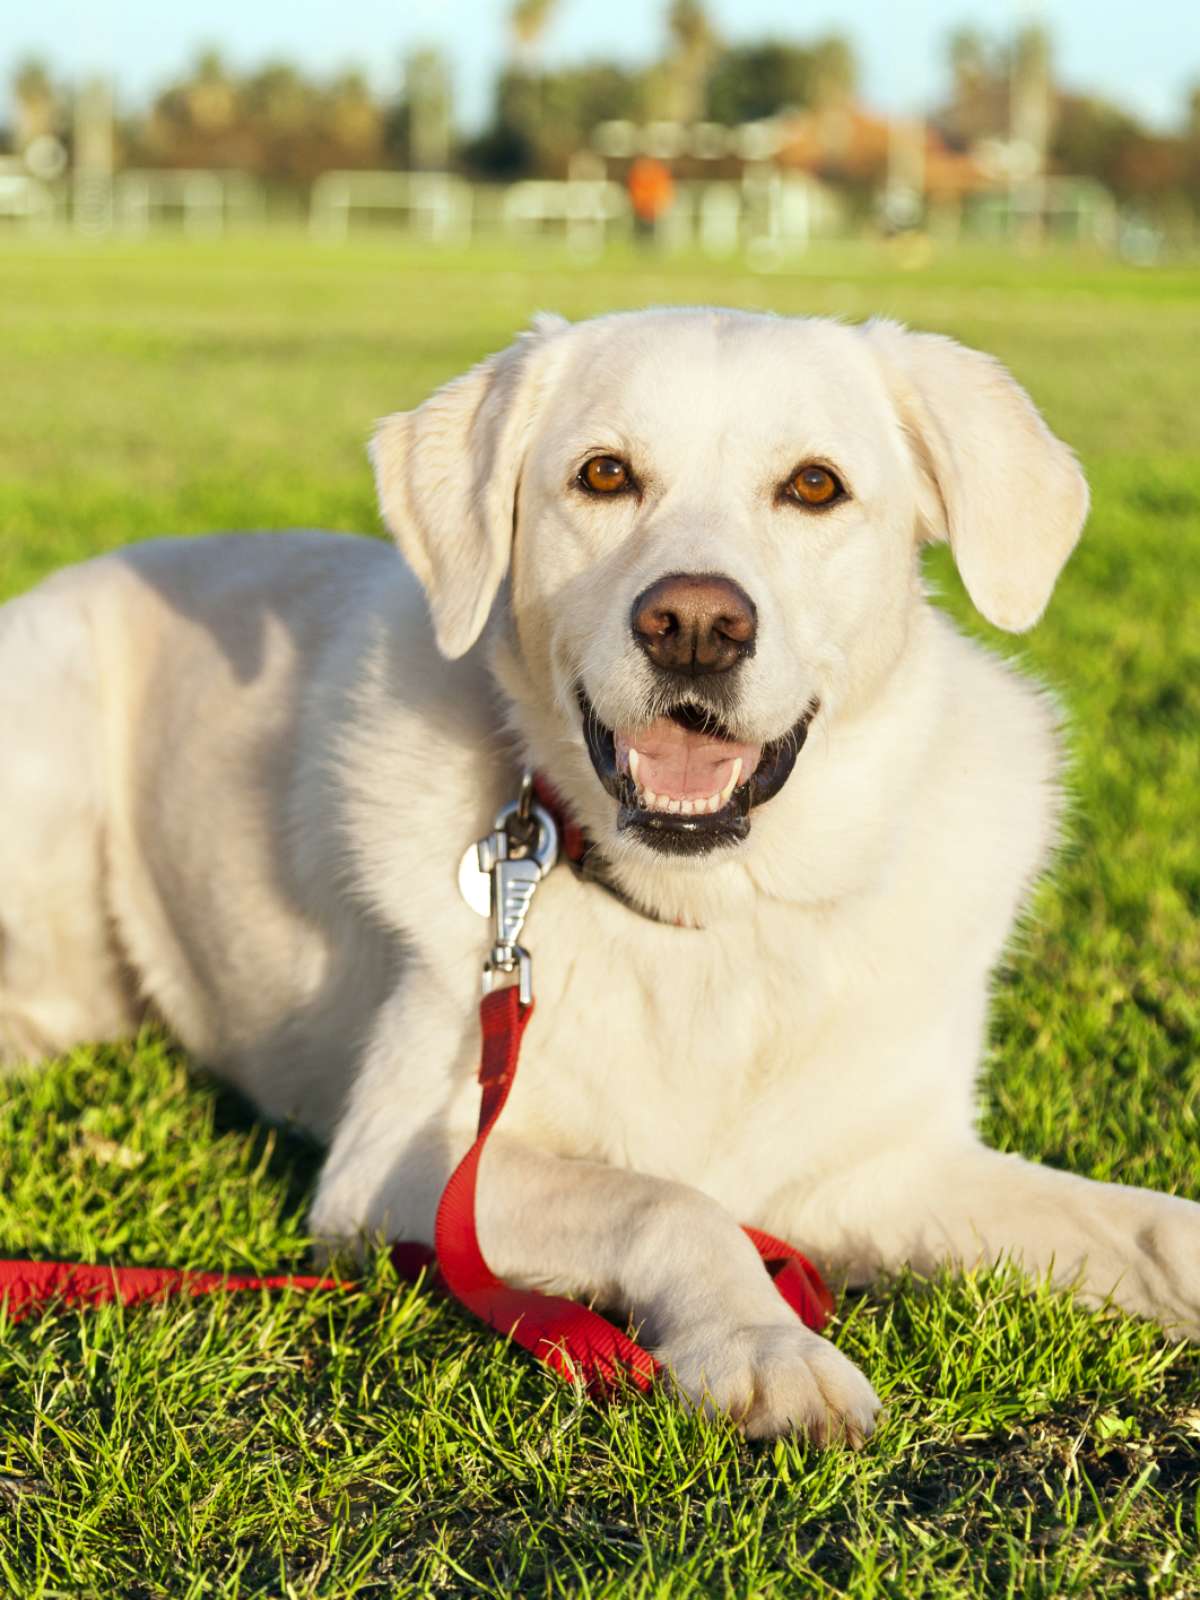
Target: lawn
378,1443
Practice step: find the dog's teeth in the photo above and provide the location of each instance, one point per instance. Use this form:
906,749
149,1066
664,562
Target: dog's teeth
634,762
649,801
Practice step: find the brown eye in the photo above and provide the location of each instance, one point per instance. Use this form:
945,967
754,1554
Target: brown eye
604,475
815,486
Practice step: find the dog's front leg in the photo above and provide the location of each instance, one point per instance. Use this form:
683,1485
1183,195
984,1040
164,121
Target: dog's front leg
685,1271
967,1205
666,1254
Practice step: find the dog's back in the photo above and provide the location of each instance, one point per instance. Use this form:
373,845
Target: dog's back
155,705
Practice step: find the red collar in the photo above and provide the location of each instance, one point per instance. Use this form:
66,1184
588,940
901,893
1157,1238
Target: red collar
571,837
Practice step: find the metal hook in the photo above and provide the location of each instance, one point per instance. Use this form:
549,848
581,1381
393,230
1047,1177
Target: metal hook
515,856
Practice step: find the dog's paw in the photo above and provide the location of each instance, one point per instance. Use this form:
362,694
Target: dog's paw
774,1380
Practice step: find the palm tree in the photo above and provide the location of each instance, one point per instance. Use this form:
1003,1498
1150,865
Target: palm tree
979,106
834,72
529,20
35,100
694,43
210,94
428,99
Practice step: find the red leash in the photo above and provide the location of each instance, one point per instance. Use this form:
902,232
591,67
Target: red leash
569,1337
572,1339
27,1286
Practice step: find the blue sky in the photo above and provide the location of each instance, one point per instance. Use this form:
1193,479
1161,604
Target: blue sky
1142,54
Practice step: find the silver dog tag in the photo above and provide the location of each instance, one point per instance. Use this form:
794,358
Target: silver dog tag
474,884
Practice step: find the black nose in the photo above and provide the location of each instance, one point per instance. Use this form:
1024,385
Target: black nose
695,623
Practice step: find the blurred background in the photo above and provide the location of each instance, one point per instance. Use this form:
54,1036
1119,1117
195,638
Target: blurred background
232,235
735,128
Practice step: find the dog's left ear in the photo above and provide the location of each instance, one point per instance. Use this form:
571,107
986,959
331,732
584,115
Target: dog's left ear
447,475
1007,494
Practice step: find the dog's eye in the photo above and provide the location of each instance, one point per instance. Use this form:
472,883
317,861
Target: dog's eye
814,486
604,475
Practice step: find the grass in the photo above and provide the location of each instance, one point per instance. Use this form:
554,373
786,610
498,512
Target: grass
377,1443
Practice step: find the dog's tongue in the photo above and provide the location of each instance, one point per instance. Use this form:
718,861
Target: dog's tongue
675,763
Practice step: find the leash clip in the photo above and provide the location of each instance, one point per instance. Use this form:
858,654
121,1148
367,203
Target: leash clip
514,858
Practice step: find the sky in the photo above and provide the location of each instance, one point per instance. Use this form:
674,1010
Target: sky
1144,55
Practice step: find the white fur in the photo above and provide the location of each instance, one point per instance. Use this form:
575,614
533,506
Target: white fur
238,778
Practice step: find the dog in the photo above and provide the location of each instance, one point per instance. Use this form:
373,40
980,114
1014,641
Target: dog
670,560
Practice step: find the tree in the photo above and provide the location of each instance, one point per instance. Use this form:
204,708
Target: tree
577,98
35,101
275,122
753,81
508,146
429,105
694,44
1090,137
978,107
1030,94
539,123
352,121
211,95
528,21
834,71
513,142
1191,138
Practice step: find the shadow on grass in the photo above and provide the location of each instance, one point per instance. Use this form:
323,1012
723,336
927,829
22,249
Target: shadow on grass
287,1155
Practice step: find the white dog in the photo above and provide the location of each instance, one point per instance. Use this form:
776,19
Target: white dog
671,561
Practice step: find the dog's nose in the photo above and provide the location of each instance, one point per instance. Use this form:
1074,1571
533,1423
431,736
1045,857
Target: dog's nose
695,623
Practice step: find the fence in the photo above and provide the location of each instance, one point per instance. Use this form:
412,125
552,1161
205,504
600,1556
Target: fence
769,214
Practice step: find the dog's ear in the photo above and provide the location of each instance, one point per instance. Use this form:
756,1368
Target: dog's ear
447,475
996,483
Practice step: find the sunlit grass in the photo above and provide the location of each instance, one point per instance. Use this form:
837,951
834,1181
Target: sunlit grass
378,1443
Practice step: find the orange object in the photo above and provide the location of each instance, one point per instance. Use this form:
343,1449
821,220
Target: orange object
651,189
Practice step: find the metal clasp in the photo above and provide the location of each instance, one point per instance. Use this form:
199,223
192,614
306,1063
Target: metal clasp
515,857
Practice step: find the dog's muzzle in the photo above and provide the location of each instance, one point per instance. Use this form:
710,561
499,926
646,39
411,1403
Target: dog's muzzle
685,784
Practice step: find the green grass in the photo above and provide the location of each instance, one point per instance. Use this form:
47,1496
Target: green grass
378,1443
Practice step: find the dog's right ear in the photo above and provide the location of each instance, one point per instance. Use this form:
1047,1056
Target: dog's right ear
995,481
447,475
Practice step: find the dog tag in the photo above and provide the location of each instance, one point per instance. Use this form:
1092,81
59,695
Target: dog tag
474,884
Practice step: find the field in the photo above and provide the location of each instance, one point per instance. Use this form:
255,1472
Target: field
379,1443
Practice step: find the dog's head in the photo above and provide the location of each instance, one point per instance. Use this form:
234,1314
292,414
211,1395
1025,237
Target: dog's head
708,522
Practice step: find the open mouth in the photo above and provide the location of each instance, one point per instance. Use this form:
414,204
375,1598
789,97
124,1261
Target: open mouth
685,784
